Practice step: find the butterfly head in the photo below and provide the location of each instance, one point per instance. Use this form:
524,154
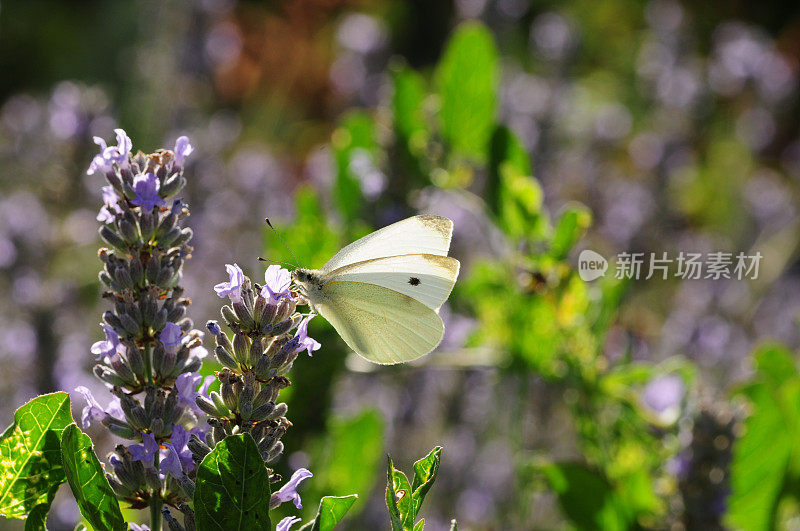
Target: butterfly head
307,278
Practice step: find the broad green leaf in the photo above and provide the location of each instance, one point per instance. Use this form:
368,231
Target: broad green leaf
331,511
407,101
570,228
585,496
775,363
425,471
37,518
88,482
347,459
232,490
762,455
355,149
30,455
467,79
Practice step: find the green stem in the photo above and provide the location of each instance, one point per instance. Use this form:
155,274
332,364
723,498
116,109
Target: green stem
155,513
148,364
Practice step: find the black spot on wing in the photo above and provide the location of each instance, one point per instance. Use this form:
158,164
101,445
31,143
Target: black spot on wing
414,281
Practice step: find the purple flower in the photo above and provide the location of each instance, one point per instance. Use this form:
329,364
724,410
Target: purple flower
180,440
182,149
287,523
137,527
289,491
171,463
177,206
104,161
663,396
107,347
145,452
187,384
301,341
233,288
214,328
171,337
105,215
276,283
146,188
93,412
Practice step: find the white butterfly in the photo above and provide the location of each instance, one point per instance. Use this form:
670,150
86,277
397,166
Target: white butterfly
383,292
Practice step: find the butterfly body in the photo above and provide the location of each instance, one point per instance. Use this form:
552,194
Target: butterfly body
382,293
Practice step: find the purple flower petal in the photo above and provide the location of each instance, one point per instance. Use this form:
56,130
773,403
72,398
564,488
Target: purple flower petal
233,288
146,188
171,336
276,283
108,347
182,150
93,412
289,491
287,523
144,452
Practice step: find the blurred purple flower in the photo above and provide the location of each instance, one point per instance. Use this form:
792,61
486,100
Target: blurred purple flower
301,341
182,149
276,283
146,188
107,347
145,452
663,396
287,523
171,336
289,491
233,288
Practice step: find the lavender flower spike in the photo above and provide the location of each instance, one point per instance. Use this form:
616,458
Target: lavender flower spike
146,188
182,149
289,491
276,283
233,288
287,523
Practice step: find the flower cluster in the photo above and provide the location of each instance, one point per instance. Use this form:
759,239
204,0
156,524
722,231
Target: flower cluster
151,354
267,336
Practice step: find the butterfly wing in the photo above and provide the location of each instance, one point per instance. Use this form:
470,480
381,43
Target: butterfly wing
379,324
427,278
414,235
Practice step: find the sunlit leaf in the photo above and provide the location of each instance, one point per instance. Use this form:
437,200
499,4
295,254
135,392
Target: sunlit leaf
467,79
331,511
355,149
398,499
570,227
585,496
425,471
85,475
232,491
31,455
407,101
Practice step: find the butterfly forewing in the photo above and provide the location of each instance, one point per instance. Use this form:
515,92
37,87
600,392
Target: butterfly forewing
426,278
381,325
414,235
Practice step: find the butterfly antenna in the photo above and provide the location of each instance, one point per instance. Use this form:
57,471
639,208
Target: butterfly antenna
297,262
261,259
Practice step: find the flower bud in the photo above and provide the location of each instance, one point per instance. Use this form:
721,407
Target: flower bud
108,376
279,411
244,315
105,279
166,225
275,453
111,237
228,395
240,348
128,231
222,409
112,320
214,328
128,191
164,278
267,315
262,412
135,359
147,226
171,186
185,236
206,405
137,270
152,270
262,366
225,358
258,308
161,319
129,324
152,479
245,410
158,428
255,352
169,238
148,307
229,316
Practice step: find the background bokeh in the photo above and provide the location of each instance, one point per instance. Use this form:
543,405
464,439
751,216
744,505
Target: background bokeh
658,126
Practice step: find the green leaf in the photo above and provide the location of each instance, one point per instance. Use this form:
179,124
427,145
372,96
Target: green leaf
585,496
762,456
37,518
570,228
425,471
232,490
420,525
354,144
505,149
347,460
409,93
88,482
31,455
331,511
398,497
467,79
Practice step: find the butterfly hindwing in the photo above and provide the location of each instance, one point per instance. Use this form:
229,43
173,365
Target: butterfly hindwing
380,324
